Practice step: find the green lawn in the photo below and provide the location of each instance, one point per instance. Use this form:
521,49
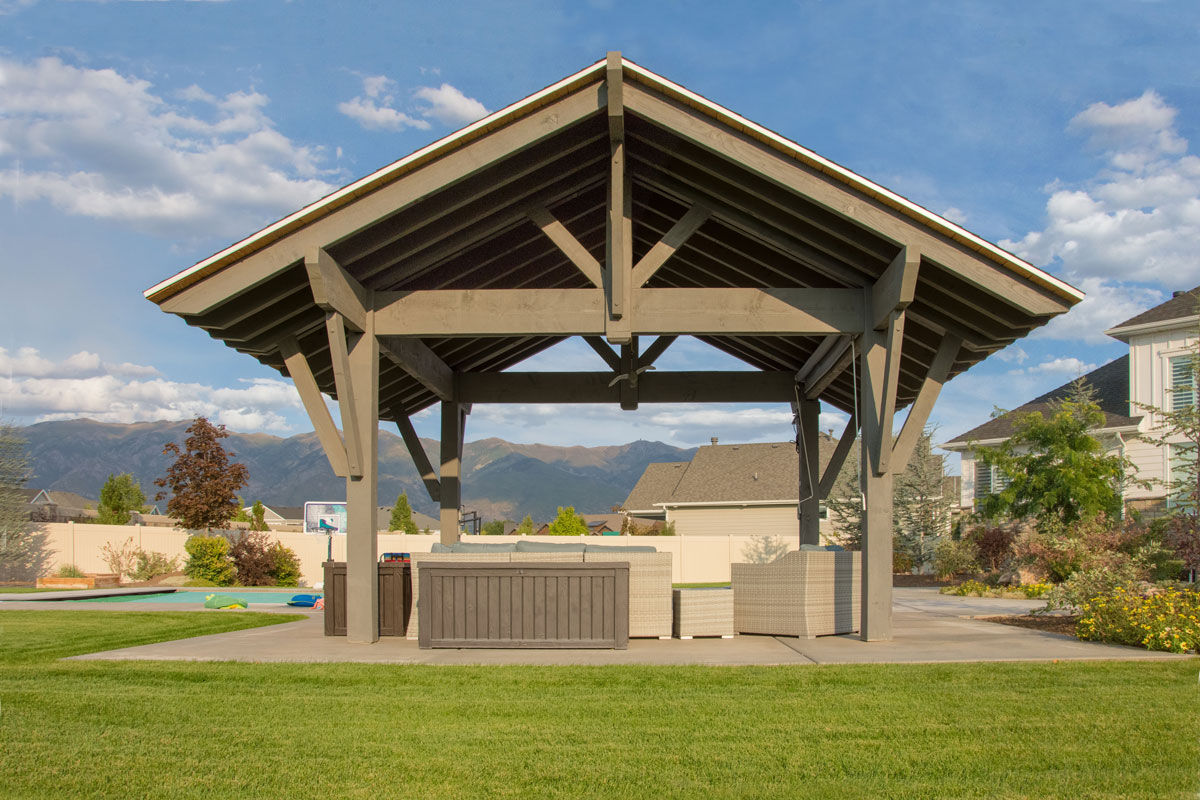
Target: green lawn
95,729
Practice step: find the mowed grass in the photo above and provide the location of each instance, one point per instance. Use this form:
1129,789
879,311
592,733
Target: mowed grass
120,729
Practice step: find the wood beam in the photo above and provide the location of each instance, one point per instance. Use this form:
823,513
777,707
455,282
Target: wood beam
808,419
876,620
314,404
627,382
451,474
614,84
568,244
339,354
834,467
671,241
656,349
818,355
736,311
362,490
334,291
918,413
653,387
827,370
891,384
605,352
895,288
580,312
418,360
420,459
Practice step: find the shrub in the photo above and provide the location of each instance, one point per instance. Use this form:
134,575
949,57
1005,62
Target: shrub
69,571
1085,585
120,560
150,565
955,558
1162,620
208,559
974,588
994,543
199,582
902,562
285,566
252,558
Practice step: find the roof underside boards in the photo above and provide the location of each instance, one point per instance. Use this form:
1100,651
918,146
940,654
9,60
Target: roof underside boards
460,217
1111,385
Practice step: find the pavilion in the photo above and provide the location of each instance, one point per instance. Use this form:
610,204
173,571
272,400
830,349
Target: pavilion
614,205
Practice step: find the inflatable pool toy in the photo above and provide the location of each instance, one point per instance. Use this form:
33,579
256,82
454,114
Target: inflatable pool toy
224,601
304,600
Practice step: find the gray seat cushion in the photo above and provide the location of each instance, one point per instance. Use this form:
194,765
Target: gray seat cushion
550,547
438,547
482,547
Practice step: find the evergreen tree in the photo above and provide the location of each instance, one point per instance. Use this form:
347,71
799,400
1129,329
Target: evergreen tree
920,509
120,496
845,502
258,517
402,516
21,543
202,480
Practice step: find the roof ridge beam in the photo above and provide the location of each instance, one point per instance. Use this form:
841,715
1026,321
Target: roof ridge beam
568,244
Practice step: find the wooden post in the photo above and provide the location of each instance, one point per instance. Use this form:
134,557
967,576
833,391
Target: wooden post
451,475
876,619
810,472
362,560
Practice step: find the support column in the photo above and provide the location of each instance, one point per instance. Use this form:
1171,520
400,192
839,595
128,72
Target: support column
362,503
876,614
810,471
451,475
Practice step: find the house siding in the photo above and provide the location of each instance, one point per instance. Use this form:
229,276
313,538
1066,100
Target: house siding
722,520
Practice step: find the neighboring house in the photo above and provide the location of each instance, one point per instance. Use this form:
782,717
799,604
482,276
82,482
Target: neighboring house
1155,373
51,506
746,489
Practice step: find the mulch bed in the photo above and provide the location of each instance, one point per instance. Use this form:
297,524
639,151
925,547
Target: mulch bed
1063,624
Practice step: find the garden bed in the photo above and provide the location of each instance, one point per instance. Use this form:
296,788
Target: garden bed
1064,624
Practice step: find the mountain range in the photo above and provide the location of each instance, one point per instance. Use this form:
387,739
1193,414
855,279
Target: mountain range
501,480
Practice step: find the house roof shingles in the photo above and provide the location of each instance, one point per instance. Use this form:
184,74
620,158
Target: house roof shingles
727,473
1111,383
1181,306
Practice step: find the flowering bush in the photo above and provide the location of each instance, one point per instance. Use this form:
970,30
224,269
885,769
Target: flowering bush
955,558
973,588
1075,591
1160,620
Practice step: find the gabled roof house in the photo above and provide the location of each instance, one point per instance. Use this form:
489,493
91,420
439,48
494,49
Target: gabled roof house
1155,373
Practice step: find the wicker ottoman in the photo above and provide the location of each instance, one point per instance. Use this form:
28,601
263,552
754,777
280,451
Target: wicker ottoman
702,612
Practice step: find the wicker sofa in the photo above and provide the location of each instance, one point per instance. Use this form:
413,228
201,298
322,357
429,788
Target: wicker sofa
649,575
805,593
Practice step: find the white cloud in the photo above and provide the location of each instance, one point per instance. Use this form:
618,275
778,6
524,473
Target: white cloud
1138,219
1013,355
1064,365
84,386
97,143
375,108
27,362
1107,304
955,214
450,106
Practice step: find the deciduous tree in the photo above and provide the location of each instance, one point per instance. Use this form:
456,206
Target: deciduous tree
526,527
203,482
120,496
568,523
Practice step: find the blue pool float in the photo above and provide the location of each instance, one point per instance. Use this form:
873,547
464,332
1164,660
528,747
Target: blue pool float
304,600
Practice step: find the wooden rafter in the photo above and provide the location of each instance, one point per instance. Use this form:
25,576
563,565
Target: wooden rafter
568,244
314,405
339,355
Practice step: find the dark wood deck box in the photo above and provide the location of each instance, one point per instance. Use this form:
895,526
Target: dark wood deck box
395,598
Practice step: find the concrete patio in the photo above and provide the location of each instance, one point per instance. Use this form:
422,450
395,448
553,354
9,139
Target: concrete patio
929,628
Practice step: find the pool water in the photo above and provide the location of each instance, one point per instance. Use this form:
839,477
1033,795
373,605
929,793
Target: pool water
198,597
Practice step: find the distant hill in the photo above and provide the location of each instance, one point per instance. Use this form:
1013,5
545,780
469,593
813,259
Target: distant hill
500,479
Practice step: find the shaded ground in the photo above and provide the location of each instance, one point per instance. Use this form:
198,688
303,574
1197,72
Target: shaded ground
1062,624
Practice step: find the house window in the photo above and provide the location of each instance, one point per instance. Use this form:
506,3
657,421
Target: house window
989,480
822,511
1181,456
1183,383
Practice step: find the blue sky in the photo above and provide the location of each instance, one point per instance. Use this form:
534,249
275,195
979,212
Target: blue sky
139,137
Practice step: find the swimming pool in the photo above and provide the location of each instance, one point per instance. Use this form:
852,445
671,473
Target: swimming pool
198,596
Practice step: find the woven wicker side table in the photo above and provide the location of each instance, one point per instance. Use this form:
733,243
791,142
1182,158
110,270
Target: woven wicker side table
702,612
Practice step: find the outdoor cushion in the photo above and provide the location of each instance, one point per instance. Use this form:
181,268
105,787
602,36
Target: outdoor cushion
834,547
438,547
621,548
550,547
482,547
811,547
